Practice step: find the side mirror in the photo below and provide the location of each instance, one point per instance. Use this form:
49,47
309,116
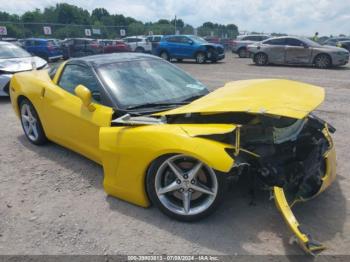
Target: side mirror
190,42
85,95
305,46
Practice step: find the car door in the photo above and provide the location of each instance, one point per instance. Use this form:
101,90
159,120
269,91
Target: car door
67,121
171,46
275,50
297,52
186,47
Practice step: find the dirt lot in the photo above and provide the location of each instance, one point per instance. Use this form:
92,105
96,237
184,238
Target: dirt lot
52,200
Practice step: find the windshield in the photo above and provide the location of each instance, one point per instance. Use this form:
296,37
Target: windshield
198,39
150,81
310,42
12,51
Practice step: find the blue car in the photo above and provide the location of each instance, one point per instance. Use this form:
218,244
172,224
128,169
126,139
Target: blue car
189,47
47,49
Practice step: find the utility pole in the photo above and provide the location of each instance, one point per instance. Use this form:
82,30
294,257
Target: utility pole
175,24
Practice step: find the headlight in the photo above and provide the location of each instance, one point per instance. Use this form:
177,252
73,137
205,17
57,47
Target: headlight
342,53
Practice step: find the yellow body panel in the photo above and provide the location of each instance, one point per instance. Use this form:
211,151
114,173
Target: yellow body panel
267,96
129,151
304,240
64,118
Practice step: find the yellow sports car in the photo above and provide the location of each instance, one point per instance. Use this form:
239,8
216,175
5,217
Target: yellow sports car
162,138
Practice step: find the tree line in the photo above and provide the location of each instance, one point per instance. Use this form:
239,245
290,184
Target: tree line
68,20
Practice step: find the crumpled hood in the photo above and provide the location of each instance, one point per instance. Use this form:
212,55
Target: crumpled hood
261,96
14,65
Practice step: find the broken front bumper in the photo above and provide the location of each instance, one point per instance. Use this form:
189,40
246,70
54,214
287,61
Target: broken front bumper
307,243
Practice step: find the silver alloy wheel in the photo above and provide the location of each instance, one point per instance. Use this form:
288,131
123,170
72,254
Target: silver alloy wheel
261,59
30,123
186,186
322,61
200,58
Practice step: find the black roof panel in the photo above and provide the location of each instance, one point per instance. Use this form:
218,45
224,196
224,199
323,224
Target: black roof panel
98,60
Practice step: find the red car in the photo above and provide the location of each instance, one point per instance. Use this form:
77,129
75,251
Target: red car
114,46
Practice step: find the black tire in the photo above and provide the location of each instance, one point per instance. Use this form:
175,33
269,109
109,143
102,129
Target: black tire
179,60
152,192
323,61
201,58
165,55
260,59
41,138
139,49
242,53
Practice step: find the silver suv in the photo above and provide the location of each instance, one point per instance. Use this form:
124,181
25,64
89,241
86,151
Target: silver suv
239,46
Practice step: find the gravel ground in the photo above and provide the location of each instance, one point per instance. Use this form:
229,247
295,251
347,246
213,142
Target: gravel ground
52,200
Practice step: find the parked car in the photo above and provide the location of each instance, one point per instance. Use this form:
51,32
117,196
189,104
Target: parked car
113,46
189,47
239,46
289,50
14,59
163,138
212,39
345,44
335,40
138,44
78,47
44,48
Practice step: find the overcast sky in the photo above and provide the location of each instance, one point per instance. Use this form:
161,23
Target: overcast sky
289,16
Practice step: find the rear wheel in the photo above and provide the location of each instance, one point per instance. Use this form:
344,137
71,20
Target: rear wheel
31,123
184,188
260,59
323,61
200,58
165,55
242,53
139,50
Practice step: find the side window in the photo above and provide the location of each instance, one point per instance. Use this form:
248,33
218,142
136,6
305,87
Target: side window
36,43
184,40
74,75
278,41
294,42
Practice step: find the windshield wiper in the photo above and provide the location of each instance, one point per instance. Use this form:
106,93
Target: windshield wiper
156,105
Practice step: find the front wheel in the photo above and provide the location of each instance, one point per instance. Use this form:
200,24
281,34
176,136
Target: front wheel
323,61
260,59
200,58
185,188
31,123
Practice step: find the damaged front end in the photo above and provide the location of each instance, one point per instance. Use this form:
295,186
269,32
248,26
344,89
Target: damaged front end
295,158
